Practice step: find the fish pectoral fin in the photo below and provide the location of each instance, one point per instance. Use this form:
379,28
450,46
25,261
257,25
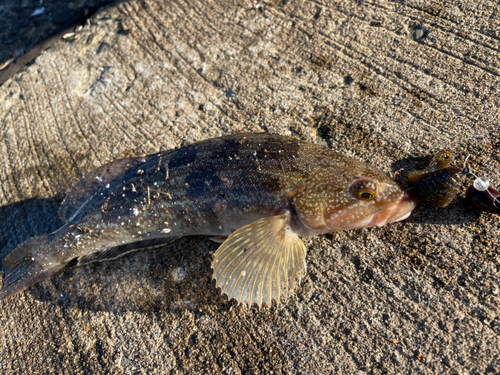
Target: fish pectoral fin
118,251
261,261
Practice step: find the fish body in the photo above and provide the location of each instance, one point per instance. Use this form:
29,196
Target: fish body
261,191
440,182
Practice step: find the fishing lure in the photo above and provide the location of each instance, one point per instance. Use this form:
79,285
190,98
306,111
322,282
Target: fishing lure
482,195
440,182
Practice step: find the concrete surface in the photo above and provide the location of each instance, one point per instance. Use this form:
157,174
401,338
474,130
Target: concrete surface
388,82
30,26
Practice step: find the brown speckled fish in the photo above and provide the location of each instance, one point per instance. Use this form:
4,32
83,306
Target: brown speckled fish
263,191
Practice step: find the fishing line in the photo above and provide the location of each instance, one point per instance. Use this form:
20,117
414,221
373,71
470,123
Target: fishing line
480,183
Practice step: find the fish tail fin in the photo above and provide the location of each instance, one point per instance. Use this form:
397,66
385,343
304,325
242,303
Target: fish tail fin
25,267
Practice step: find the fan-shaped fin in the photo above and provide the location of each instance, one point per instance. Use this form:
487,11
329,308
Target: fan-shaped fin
261,261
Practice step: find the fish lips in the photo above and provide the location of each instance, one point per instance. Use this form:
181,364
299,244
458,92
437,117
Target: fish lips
398,212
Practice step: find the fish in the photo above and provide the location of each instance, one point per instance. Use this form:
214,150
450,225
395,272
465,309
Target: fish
440,182
258,194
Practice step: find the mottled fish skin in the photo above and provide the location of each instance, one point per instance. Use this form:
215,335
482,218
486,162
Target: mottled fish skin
214,187
440,182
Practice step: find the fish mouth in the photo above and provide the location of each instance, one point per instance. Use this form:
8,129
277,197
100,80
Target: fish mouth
399,212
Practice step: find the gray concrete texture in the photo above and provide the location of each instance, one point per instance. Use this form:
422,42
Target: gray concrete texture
30,26
387,82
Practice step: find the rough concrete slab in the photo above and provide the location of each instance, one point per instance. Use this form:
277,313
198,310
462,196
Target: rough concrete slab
388,82
30,26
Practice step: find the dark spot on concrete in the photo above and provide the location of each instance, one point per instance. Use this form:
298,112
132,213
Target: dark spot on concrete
122,30
103,47
192,340
366,89
418,32
230,93
325,62
348,80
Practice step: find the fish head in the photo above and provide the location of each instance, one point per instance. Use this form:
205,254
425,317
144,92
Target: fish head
369,199
361,197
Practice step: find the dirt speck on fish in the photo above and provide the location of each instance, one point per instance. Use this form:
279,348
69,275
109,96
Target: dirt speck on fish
258,193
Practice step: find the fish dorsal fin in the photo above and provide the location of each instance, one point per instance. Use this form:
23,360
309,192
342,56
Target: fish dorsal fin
261,261
118,251
92,182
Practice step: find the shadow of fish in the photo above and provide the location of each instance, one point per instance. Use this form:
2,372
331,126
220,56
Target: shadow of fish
258,193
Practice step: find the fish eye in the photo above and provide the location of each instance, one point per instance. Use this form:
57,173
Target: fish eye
366,194
363,189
